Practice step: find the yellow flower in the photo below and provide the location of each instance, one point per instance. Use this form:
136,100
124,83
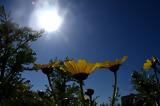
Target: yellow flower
150,63
81,69
113,65
48,68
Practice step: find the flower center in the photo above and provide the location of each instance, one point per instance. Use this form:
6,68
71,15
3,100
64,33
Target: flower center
80,76
114,67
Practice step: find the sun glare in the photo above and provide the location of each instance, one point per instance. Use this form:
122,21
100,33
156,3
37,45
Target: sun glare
49,20
46,16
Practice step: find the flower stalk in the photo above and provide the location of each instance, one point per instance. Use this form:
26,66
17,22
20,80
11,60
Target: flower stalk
155,72
91,101
50,84
90,92
115,89
82,94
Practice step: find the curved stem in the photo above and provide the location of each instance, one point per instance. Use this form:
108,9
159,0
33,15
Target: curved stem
115,89
82,94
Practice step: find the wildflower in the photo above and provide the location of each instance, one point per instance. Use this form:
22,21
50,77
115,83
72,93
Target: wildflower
89,92
148,65
151,63
81,69
113,65
48,68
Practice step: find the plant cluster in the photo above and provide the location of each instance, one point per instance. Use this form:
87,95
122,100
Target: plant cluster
65,78
147,83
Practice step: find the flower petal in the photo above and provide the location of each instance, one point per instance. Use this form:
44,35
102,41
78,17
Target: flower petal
82,64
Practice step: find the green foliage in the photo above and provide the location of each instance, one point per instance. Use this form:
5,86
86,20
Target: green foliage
62,89
15,55
147,86
15,51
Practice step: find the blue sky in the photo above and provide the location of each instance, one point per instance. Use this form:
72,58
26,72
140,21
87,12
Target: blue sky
97,30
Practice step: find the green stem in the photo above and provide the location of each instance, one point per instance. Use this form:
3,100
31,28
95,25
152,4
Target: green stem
155,71
91,101
115,89
50,84
82,94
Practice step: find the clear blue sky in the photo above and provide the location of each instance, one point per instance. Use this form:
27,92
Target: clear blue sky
98,30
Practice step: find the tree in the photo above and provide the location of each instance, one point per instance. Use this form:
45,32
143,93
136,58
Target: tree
15,55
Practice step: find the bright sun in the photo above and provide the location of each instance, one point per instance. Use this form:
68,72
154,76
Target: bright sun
49,20
46,16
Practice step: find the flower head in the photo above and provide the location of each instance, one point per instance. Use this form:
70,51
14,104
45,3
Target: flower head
81,69
113,65
89,92
150,63
48,68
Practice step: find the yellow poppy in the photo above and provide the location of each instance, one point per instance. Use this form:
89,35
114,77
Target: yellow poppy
113,65
81,69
